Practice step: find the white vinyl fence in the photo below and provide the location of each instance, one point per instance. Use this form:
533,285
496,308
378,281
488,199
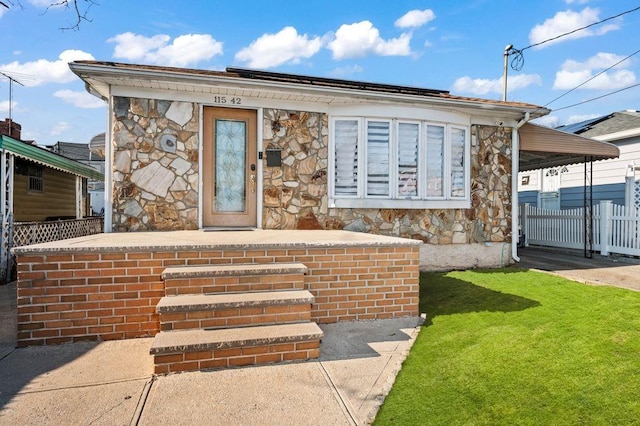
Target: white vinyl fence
615,228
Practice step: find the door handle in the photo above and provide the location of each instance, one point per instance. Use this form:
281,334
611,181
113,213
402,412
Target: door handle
252,179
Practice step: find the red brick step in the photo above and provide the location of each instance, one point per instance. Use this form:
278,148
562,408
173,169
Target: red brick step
190,350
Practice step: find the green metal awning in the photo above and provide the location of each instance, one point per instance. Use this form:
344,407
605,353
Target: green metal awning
48,158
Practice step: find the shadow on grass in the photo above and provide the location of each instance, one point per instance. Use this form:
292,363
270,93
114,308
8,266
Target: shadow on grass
442,295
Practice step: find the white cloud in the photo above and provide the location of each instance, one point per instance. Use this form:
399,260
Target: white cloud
415,18
573,73
342,72
286,46
578,118
59,128
187,49
547,121
43,71
481,86
362,38
80,99
4,106
564,22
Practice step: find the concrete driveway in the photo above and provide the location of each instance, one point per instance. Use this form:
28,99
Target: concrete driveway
618,271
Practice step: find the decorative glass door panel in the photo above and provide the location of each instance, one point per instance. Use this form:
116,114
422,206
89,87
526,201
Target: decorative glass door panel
231,153
229,172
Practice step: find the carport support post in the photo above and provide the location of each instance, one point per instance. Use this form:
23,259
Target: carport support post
606,210
524,225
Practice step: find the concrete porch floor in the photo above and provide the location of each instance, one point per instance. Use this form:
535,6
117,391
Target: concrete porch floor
168,240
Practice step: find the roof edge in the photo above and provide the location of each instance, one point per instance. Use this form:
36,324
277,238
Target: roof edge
91,71
48,158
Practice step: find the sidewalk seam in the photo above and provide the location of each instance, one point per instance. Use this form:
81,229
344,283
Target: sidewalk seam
341,400
142,402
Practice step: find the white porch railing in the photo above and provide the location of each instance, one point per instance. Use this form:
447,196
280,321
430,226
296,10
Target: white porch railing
615,228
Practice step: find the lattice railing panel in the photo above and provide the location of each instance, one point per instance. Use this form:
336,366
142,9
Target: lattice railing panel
27,233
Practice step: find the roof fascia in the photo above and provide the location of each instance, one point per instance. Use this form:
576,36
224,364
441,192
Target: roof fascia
616,136
92,74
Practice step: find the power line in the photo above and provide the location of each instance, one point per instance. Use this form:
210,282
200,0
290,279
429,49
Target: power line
586,81
598,97
580,29
517,63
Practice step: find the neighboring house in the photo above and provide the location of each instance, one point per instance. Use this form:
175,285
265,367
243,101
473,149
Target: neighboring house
196,149
44,185
83,154
616,179
41,186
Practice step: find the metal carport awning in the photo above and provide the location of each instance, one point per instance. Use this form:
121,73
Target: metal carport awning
542,147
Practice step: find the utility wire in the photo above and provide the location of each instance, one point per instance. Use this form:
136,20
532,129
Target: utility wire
599,97
586,81
580,29
517,63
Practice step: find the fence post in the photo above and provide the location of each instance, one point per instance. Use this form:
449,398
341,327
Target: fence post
606,208
524,225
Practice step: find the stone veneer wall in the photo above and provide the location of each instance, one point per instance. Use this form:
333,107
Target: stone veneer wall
155,178
296,194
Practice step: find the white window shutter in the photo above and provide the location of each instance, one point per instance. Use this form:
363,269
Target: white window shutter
435,161
346,157
378,133
408,136
458,137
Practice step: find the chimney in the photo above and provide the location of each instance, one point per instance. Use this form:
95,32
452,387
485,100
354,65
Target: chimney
10,128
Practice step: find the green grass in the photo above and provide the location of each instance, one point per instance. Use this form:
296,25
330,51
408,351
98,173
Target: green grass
515,347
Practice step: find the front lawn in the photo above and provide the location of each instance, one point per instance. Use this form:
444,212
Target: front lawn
514,347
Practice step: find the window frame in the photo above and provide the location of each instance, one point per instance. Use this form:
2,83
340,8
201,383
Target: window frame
394,199
35,178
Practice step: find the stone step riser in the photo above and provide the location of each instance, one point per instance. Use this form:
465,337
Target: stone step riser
235,317
233,284
236,357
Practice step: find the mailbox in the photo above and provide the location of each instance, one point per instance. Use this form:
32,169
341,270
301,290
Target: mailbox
274,157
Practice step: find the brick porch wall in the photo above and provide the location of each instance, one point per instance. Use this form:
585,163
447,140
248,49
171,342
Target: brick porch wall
69,296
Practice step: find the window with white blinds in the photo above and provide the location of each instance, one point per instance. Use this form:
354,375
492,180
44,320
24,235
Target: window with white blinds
413,164
378,139
346,157
408,139
458,179
434,160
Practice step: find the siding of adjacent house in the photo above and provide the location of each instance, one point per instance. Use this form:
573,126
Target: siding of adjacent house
58,199
528,197
571,198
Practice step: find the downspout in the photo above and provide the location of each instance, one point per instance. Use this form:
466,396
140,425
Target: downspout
515,167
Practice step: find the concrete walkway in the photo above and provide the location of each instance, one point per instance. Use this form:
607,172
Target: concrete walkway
617,271
112,382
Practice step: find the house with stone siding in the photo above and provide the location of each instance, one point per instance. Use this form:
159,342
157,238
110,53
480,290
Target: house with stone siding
421,179
192,149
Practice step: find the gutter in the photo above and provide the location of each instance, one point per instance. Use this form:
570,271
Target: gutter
515,166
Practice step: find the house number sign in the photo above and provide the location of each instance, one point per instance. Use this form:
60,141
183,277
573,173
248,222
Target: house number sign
227,100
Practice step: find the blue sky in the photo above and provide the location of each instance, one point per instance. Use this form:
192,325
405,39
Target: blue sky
443,44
